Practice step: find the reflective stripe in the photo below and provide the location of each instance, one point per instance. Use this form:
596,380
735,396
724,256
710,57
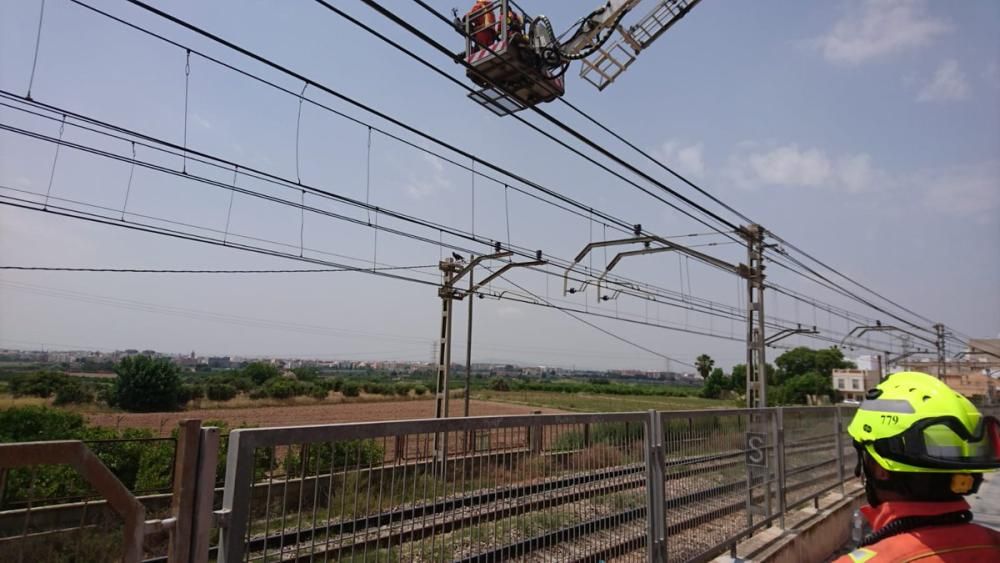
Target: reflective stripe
887,405
861,554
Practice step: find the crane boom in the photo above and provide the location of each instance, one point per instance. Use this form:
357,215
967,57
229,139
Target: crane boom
519,61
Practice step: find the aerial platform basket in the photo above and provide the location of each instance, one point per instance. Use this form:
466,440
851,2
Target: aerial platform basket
502,61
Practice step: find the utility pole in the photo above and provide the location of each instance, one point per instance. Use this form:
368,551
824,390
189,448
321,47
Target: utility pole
756,361
449,267
453,270
468,344
762,428
939,343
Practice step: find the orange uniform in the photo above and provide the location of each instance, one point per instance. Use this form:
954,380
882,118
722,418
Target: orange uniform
953,543
481,24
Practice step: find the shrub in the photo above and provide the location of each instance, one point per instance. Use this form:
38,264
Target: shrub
146,384
220,391
31,424
39,384
499,385
318,392
306,373
72,393
350,389
140,464
403,389
336,383
420,389
259,372
282,388
190,392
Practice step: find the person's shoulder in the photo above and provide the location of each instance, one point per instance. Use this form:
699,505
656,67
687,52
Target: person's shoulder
978,543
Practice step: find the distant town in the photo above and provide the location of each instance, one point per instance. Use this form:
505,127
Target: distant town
96,362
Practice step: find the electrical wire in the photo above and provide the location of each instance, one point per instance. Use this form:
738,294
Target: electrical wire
580,137
631,145
194,271
619,225
299,77
225,186
283,182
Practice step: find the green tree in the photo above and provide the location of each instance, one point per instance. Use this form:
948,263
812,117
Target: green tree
146,384
39,384
795,389
220,391
72,393
281,388
704,364
350,389
715,384
306,373
259,372
803,360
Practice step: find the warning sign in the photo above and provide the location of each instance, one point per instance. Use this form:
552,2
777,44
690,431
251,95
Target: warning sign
756,454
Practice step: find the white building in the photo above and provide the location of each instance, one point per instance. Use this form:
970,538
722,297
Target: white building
852,383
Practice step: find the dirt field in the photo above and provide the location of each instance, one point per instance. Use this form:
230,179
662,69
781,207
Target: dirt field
307,414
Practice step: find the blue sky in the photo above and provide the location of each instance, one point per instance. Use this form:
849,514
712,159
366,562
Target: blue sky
865,132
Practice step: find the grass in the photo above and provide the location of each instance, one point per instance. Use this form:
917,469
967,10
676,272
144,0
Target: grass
8,401
586,402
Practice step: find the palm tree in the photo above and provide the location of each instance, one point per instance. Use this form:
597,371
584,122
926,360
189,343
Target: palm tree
704,364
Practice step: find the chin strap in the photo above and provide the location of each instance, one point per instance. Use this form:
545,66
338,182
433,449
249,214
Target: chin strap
910,523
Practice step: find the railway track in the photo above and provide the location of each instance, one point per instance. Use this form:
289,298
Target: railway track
400,526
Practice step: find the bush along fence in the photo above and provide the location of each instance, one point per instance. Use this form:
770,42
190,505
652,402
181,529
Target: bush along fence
644,486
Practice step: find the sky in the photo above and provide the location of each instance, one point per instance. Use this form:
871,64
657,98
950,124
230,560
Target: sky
864,132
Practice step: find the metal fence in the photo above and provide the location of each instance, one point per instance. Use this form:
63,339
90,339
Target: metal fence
646,486
104,500
656,486
552,487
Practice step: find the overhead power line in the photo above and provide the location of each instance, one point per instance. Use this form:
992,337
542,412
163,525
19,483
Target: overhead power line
712,309
625,285
427,39
320,86
190,271
186,150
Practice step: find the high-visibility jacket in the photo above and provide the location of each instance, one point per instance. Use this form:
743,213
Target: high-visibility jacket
953,543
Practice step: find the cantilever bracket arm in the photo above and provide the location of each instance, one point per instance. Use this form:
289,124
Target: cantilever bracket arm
737,269
858,331
591,246
783,334
619,256
706,258
504,269
478,260
904,355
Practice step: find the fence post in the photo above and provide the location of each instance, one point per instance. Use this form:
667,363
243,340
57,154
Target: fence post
656,534
779,453
234,516
208,460
185,484
535,437
839,429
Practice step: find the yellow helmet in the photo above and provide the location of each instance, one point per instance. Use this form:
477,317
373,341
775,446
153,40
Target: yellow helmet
913,422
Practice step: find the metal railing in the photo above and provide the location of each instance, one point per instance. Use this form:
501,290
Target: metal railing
653,486
74,500
645,486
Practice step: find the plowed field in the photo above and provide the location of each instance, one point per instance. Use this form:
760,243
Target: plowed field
164,422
